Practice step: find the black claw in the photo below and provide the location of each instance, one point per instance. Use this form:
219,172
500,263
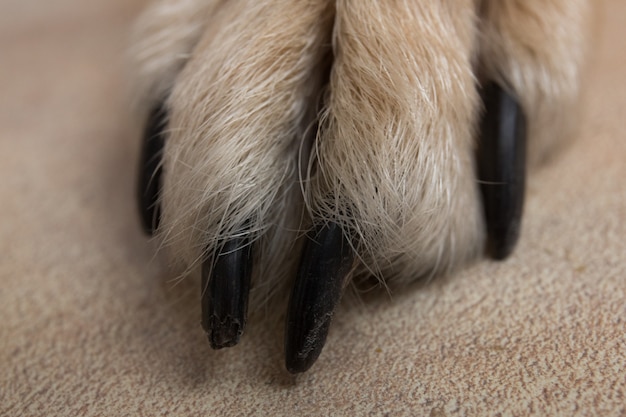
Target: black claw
502,168
150,169
225,292
325,263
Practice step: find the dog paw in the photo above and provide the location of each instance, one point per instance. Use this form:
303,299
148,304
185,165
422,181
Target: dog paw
313,143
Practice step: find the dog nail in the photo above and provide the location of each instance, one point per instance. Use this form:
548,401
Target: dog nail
150,169
326,260
225,288
502,168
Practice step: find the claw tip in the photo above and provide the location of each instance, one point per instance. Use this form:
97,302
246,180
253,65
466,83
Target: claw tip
224,334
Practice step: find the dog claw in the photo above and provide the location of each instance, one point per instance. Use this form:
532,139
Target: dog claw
225,293
150,169
502,169
326,260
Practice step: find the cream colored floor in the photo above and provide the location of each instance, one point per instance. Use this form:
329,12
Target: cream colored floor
90,324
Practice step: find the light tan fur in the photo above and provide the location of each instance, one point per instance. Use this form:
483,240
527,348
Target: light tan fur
392,157
163,39
538,49
395,157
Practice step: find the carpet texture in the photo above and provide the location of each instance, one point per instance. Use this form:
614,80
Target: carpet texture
91,323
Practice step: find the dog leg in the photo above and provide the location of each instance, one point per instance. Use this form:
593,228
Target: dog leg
356,121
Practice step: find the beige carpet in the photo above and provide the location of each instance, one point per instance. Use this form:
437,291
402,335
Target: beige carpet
90,324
